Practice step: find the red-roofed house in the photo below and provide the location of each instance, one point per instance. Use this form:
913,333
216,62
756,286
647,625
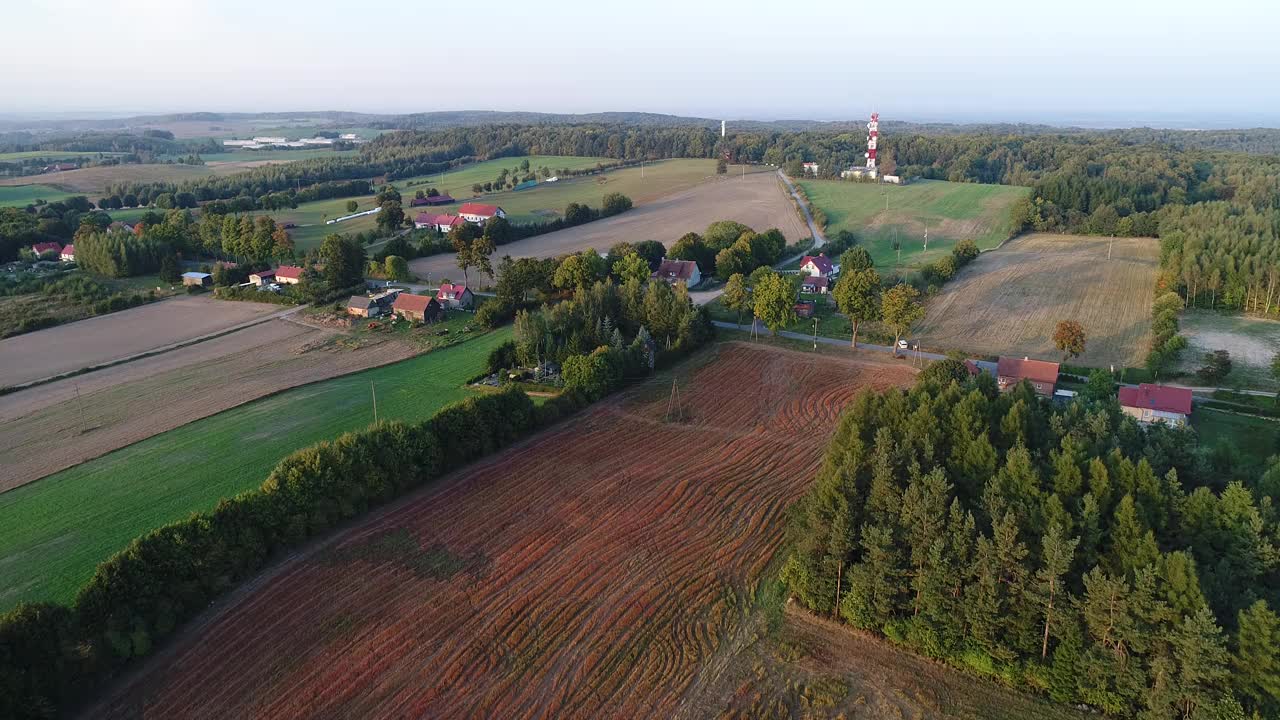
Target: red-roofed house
46,247
455,296
817,266
479,212
444,223
1042,375
289,274
1149,403
421,308
813,284
674,271
68,253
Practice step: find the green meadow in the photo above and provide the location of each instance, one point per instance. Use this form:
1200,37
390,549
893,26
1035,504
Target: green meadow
55,531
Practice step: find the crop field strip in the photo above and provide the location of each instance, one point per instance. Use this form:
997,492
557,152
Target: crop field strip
1008,301
584,573
55,531
756,200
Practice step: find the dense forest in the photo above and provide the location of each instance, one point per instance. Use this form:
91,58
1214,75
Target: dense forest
1062,549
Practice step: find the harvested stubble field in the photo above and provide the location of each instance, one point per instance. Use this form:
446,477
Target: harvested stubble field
587,572
815,668
756,200
55,531
92,180
105,338
1008,301
50,427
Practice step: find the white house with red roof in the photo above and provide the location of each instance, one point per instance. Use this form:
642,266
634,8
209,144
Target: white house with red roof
811,168
444,222
818,266
1149,403
479,212
46,247
455,296
68,253
289,274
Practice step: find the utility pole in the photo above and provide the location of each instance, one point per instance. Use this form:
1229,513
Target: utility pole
815,333
374,392
926,237
1109,246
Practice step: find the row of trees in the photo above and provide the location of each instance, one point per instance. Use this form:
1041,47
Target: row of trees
1062,549
119,253
728,247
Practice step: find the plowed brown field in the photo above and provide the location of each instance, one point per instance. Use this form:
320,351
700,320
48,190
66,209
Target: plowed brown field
587,572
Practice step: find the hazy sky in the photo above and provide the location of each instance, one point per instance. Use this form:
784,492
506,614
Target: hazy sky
1204,63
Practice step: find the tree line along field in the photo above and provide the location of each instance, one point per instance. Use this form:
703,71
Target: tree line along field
951,211
590,571
1008,301
53,155
55,531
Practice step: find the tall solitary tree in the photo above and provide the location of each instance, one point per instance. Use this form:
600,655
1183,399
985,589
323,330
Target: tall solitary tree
1056,552
775,299
735,296
900,308
1069,338
857,294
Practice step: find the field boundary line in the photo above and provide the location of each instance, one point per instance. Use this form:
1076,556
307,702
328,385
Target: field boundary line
265,396
8,389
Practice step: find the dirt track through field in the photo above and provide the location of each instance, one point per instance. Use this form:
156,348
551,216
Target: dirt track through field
586,572
1008,301
47,428
757,201
102,339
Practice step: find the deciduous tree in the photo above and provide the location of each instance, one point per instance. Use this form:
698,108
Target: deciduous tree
1069,338
900,309
857,294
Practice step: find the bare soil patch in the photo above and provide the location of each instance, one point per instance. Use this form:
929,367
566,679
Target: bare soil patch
47,428
105,338
1252,342
585,573
1008,301
756,200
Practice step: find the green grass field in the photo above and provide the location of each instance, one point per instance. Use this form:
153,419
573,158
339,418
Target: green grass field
23,195
54,532
1257,438
544,202
951,211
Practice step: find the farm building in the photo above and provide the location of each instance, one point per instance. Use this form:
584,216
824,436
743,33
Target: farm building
455,296
674,271
1150,403
263,277
59,167
371,306
811,168
818,266
199,279
118,226
444,222
441,199
1042,374
417,307
289,274
479,212
804,309
814,284
46,247
68,253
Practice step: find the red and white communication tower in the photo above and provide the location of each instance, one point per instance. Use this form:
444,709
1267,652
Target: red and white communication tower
873,135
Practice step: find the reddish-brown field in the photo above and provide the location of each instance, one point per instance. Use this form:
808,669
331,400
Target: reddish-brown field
590,571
